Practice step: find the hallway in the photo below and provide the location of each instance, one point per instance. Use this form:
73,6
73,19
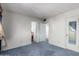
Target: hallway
39,49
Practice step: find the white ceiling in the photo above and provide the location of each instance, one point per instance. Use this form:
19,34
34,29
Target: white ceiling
40,10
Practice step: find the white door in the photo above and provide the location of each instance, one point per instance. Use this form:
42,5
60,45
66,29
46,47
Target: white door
71,33
47,31
37,32
42,32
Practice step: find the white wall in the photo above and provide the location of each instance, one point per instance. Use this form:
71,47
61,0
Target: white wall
57,32
57,28
17,29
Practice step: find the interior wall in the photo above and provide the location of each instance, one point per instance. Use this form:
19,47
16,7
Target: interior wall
17,29
57,28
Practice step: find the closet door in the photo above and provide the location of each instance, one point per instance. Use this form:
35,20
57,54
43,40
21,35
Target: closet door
71,33
42,32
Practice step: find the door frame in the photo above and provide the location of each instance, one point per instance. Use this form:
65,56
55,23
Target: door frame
34,30
72,46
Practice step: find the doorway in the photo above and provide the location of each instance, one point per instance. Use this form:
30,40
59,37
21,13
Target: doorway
44,30
39,31
71,33
33,31
47,31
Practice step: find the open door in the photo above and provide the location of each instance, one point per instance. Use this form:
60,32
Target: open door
33,31
71,33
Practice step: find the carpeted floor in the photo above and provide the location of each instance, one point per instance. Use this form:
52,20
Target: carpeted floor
39,49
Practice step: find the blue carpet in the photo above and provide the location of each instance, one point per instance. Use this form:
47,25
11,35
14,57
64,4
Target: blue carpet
39,49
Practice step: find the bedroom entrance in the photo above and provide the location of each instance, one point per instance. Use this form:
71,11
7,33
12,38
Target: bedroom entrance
33,31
